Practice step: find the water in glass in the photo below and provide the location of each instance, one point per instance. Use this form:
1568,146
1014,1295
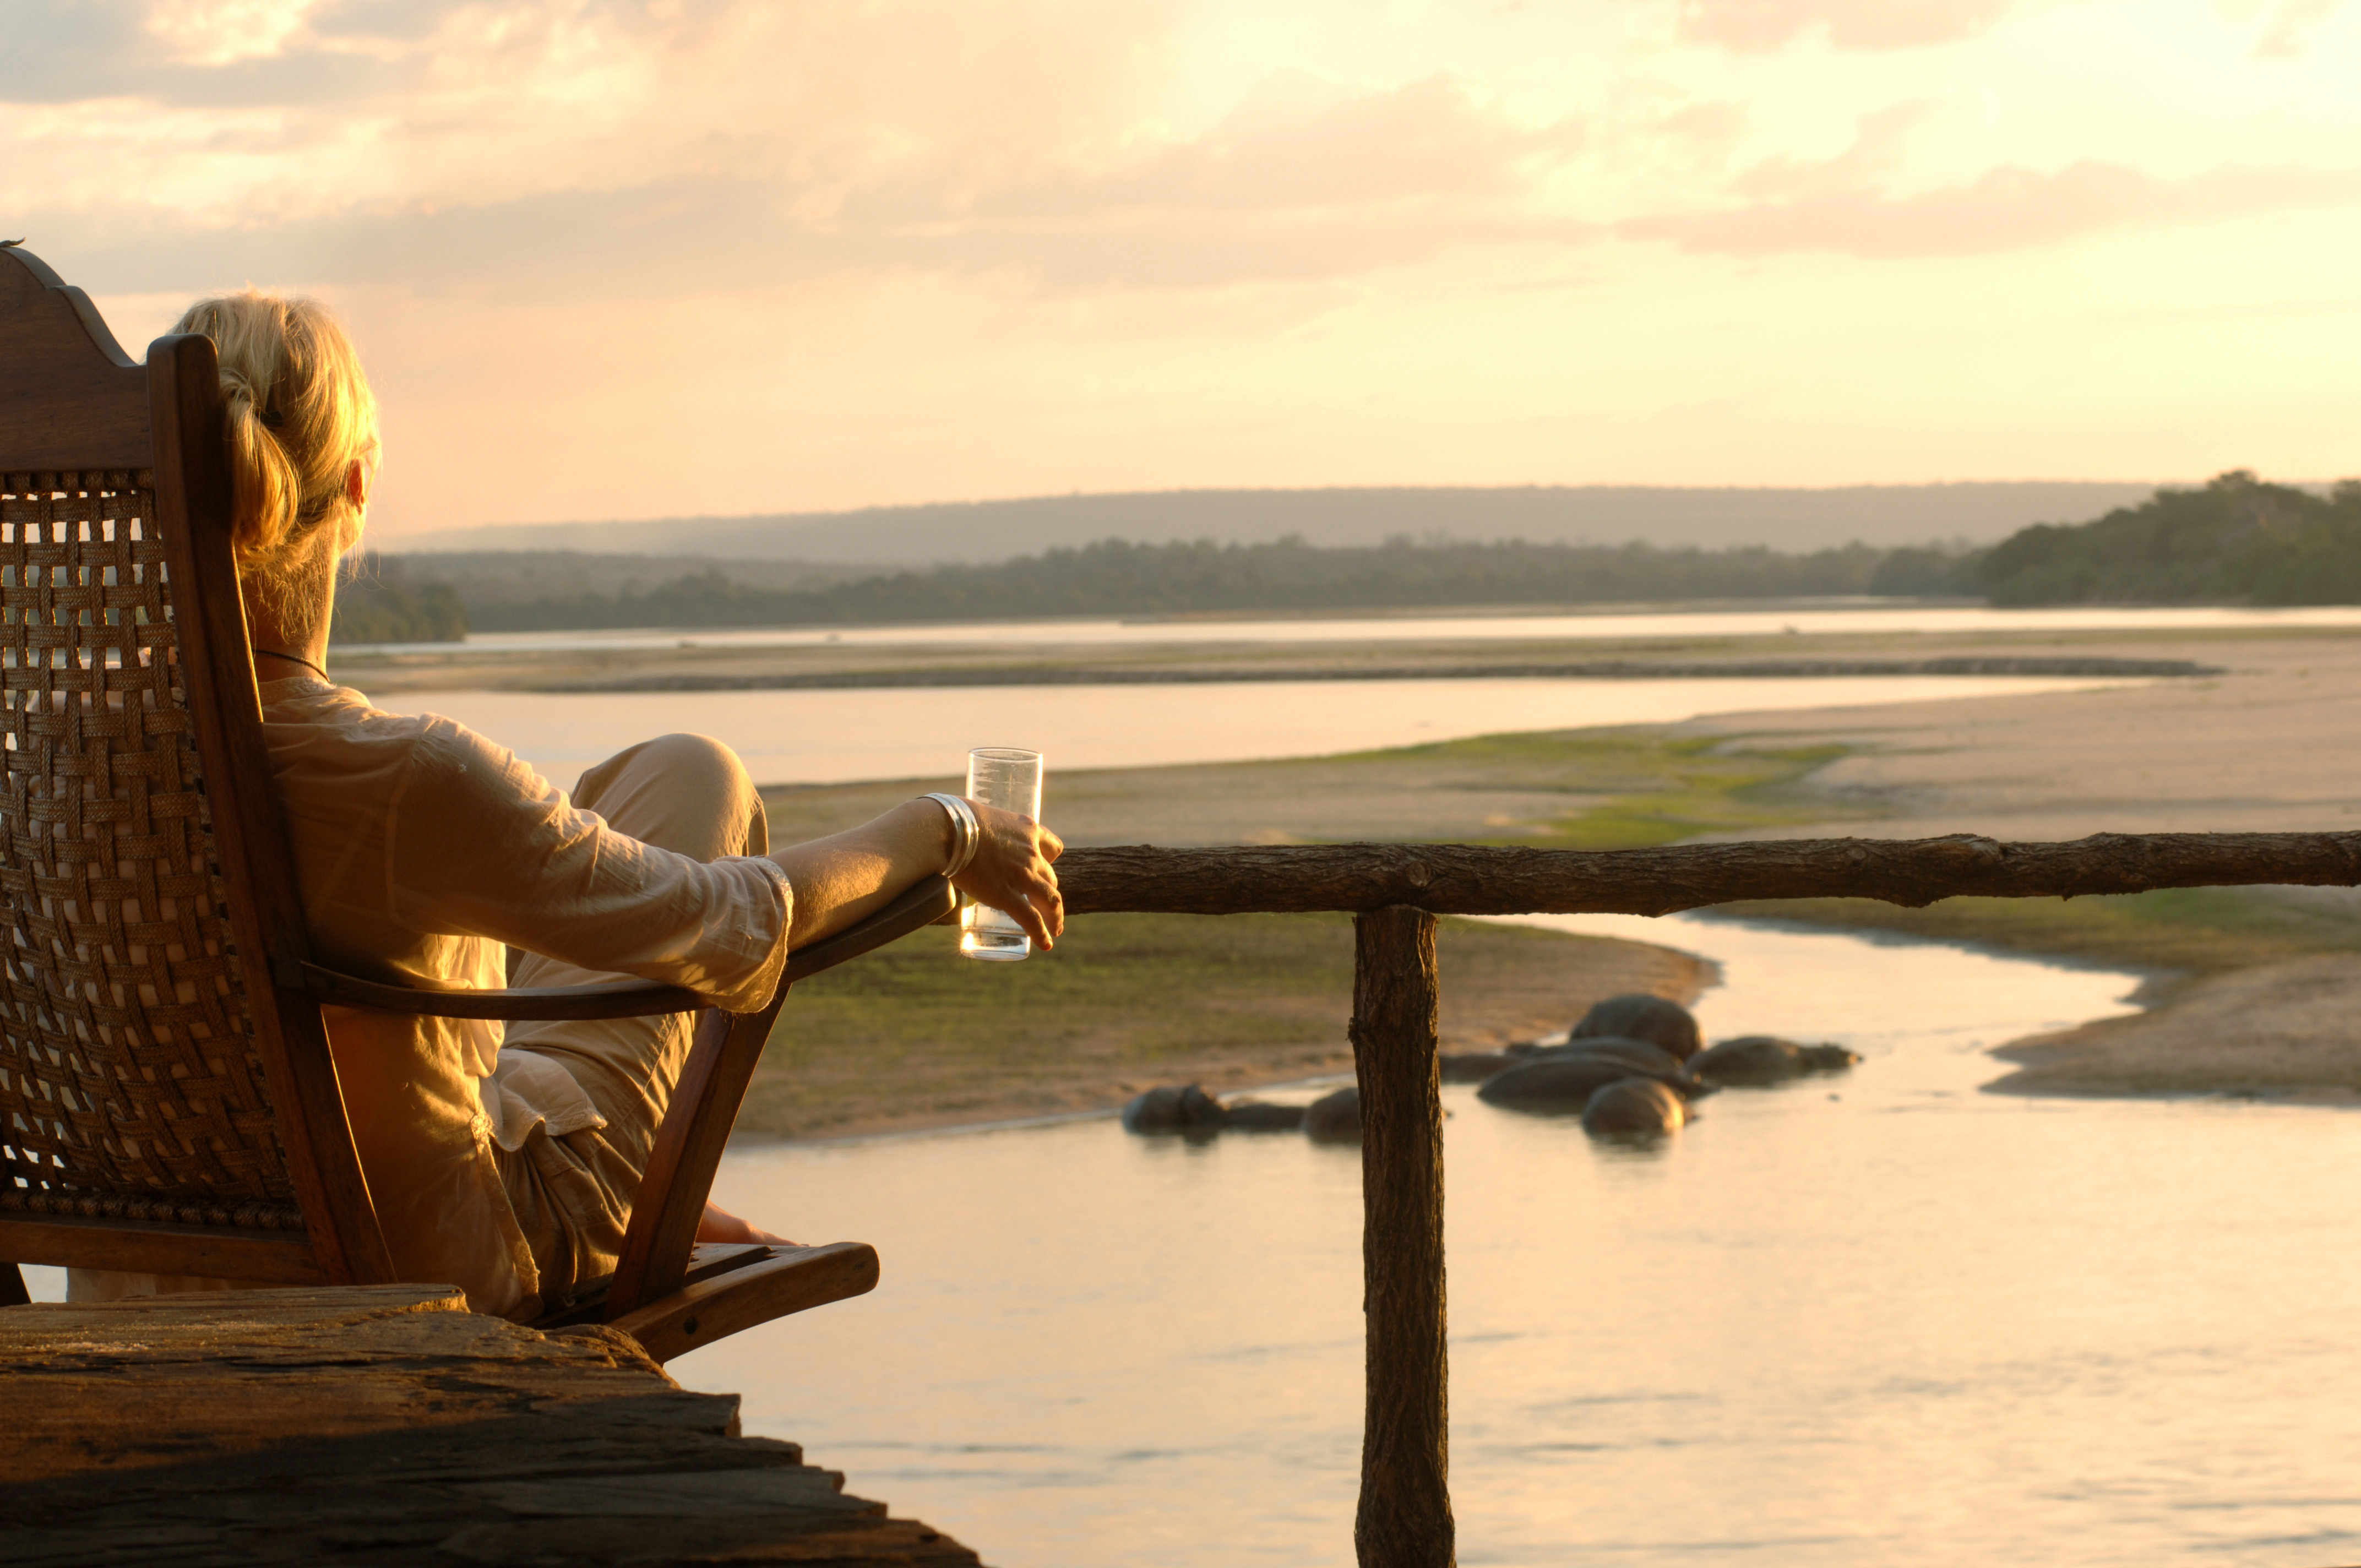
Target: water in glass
1009,778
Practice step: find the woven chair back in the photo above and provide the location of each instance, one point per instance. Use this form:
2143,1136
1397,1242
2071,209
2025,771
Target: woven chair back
130,1086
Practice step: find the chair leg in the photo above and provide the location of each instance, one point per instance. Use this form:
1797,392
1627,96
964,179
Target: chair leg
12,1287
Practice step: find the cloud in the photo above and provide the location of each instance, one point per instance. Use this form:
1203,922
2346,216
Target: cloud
2002,210
1760,26
2283,35
242,55
1877,152
1303,181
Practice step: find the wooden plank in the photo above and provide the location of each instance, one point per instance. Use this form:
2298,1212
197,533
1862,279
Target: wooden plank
70,397
287,1427
145,1246
1404,1519
1469,879
266,906
791,1280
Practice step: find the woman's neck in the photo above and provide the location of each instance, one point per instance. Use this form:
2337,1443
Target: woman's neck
292,641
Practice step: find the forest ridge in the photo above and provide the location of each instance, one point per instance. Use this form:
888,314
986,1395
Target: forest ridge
2236,540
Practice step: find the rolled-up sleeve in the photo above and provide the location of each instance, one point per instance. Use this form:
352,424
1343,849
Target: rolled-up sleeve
479,844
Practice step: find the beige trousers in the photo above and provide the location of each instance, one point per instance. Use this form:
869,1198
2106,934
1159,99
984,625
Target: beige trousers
573,1192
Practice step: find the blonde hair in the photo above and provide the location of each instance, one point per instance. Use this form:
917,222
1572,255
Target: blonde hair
298,414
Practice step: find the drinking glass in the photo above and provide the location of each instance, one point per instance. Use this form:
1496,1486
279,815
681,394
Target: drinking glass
1009,778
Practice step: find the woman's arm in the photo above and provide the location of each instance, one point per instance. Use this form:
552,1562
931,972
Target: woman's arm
839,879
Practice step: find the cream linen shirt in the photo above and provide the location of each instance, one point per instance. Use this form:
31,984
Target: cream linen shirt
422,848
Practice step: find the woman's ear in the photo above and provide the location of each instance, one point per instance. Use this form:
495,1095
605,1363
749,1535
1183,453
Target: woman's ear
357,483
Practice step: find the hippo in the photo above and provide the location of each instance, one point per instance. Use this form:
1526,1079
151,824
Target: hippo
1253,1116
1563,1085
1334,1118
1175,1109
1635,1108
1646,1060
1755,1060
1475,1067
1640,1016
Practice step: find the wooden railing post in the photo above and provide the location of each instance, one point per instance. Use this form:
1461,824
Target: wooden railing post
1405,1513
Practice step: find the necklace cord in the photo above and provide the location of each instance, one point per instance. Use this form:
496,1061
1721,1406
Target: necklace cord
295,659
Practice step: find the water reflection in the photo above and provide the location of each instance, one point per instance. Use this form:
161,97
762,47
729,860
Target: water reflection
1859,1321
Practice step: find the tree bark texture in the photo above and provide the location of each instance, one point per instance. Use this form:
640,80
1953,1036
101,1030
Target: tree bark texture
1405,1514
1470,878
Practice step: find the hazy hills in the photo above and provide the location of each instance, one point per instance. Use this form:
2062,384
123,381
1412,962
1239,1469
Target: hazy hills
1666,517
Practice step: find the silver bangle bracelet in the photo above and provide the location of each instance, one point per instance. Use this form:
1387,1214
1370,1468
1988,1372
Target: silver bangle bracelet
967,833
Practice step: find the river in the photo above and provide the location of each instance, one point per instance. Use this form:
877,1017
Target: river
835,737
1594,623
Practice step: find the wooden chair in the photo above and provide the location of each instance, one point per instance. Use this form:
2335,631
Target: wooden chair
167,1103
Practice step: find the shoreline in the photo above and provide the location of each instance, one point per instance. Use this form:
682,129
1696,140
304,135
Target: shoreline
884,1130
1592,669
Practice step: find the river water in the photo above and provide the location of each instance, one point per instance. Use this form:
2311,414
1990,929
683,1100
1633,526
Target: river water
1597,623
834,737
1865,1320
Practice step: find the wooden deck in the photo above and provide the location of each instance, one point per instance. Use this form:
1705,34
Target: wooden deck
387,1425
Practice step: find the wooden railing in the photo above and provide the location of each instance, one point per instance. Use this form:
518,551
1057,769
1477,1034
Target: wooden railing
1395,890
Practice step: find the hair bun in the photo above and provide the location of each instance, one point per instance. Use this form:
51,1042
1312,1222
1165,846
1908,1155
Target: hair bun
299,415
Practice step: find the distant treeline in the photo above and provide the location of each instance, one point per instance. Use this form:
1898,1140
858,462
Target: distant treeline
1119,578
2235,540
378,604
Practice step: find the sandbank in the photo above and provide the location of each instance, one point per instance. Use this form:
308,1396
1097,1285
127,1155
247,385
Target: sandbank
2271,742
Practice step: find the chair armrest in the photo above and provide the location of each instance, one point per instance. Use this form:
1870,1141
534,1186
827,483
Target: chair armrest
923,905
610,999
784,1279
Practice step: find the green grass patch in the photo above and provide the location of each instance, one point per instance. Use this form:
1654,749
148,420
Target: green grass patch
1167,984
1630,788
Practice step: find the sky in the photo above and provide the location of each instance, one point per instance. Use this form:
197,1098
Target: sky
715,257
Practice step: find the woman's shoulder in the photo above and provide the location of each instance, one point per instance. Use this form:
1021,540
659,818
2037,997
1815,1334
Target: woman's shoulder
311,718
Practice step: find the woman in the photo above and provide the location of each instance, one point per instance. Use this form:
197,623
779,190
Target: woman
506,1162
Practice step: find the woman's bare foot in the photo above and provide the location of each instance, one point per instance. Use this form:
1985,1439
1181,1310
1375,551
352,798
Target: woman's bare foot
720,1226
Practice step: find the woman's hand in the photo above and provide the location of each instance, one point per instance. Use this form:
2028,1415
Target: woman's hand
720,1226
1011,873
